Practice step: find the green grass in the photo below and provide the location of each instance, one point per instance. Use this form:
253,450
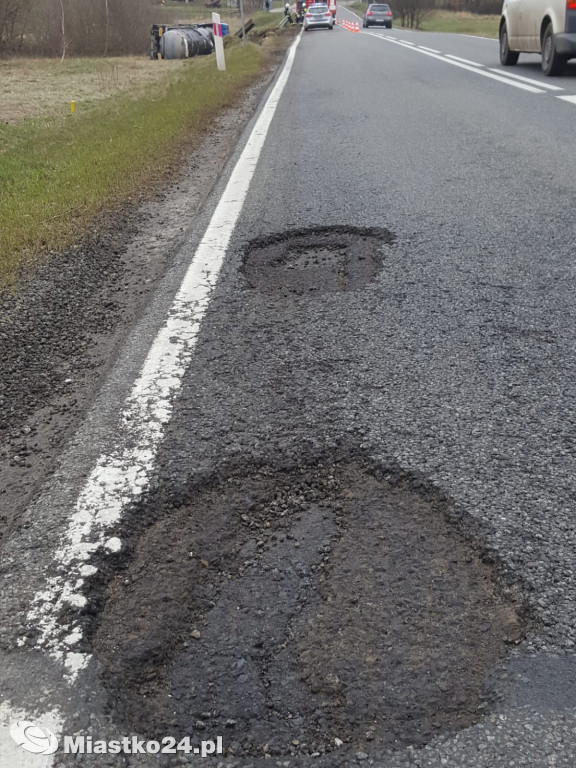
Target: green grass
448,21
264,20
461,23
59,174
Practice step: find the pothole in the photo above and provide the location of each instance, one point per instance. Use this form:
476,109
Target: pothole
318,260
287,610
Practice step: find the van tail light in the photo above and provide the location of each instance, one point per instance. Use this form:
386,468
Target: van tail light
571,5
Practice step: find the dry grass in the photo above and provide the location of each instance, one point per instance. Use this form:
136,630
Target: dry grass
40,88
461,23
133,117
33,88
59,174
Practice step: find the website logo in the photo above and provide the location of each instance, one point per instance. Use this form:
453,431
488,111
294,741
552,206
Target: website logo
33,738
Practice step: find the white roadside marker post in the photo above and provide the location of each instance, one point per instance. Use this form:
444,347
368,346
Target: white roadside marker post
218,41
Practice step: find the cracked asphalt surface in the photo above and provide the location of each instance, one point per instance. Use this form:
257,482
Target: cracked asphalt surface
432,404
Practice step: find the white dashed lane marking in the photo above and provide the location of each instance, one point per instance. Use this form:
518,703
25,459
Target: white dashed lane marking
477,68
503,76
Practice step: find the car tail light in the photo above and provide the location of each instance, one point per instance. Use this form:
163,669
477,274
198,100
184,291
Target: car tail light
369,13
328,14
571,5
388,13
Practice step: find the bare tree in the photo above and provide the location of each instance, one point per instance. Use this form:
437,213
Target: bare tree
107,28
63,29
412,12
13,18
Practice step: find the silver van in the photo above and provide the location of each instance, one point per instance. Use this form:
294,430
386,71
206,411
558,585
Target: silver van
547,27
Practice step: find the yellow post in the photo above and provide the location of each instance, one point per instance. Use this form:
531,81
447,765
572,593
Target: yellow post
72,107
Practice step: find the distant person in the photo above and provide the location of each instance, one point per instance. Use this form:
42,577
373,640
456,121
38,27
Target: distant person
267,5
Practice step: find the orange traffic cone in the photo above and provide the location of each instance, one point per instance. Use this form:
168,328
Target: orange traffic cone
357,27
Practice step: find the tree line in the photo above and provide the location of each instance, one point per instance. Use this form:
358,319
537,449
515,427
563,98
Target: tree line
120,27
74,27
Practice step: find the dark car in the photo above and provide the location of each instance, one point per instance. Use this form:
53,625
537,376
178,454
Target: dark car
377,14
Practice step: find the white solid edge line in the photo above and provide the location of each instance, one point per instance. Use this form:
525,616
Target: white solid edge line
406,42
569,99
121,476
482,72
464,61
527,79
431,50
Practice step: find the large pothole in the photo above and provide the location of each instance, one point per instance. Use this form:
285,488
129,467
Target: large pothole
317,260
288,610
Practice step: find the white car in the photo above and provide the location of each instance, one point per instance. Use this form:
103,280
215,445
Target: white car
318,15
547,27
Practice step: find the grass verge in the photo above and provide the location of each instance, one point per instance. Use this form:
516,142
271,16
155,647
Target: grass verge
59,174
448,21
32,88
264,21
461,23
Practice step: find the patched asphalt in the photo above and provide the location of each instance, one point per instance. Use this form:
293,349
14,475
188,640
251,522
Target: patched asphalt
451,367
300,607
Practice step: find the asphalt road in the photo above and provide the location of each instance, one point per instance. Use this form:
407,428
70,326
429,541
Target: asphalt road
432,352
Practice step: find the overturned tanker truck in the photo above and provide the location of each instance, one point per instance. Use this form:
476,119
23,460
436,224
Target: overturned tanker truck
180,41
